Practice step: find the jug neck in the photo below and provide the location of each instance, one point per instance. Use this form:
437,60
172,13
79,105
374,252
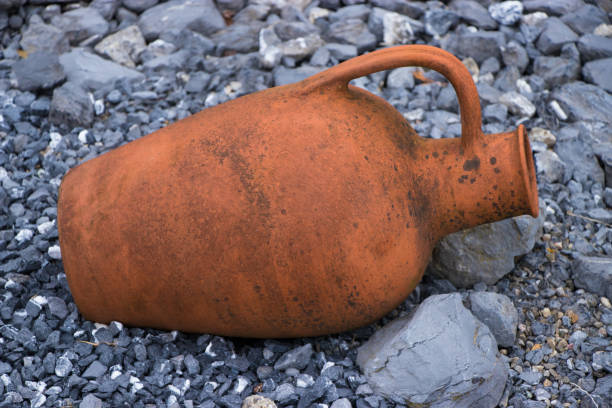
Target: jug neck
491,180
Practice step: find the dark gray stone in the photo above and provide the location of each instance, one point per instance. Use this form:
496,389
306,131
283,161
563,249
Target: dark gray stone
139,5
200,16
495,112
296,358
288,30
575,149
40,70
352,31
554,35
230,5
514,55
408,8
81,23
93,72
91,401
360,11
71,106
197,82
473,13
556,8
106,8
599,72
593,274
549,166
479,45
95,370
440,356
341,52
593,47
439,21
499,314
556,70
240,38
284,76
44,37
531,377
585,19
484,253
57,306
583,101
401,78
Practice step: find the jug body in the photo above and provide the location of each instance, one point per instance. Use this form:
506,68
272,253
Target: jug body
296,211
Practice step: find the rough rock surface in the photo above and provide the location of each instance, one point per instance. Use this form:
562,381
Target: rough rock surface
498,313
485,253
593,274
441,356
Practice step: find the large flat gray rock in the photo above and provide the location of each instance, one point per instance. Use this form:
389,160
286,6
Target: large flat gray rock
93,72
441,356
200,16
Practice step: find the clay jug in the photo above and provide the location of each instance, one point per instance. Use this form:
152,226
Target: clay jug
300,210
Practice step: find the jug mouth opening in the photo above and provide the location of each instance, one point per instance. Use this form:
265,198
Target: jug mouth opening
528,171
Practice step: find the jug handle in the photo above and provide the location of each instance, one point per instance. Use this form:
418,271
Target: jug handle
414,55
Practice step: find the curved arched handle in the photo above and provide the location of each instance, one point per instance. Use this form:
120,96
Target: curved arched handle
415,55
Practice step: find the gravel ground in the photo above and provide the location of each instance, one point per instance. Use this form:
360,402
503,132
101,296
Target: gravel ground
77,80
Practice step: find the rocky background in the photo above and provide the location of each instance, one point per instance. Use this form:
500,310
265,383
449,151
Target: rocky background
513,314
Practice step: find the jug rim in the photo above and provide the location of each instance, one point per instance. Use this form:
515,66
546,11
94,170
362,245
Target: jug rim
528,171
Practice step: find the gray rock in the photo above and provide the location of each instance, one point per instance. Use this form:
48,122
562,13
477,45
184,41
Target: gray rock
556,8
57,306
441,356
91,401
360,11
556,70
9,4
63,366
401,78
197,82
341,403
474,14
604,386
288,30
585,19
439,21
173,61
93,72
40,70
600,214
123,47
71,106
300,48
296,358
583,101
408,8
352,31
495,112
517,104
499,314
106,8
593,274
81,23
598,72
514,55
230,5
549,166
200,16
242,38
341,52
95,370
479,45
44,37
575,150
139,6
554,35
531,377
485,253
284,76
392,28
593,46
506,12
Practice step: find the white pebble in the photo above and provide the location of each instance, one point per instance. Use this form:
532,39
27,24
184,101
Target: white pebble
56,138
554,105
99,107
46,227
241,384
83,136
24,235
54,252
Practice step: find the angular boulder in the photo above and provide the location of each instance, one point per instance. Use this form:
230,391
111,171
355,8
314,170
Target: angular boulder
499,314
441,356
593,274
485,253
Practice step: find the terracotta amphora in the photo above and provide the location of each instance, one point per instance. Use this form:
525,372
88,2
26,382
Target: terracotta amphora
300,210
